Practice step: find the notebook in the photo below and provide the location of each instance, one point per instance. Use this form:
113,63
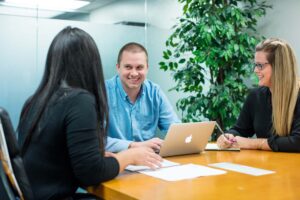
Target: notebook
186,138
214,147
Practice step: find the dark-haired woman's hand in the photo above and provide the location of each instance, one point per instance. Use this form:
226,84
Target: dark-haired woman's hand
146,156
139,156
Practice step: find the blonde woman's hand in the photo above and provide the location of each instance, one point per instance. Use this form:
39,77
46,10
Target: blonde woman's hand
252,143
226,141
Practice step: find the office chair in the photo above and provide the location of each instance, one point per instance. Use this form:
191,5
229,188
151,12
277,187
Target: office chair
14,180
5,187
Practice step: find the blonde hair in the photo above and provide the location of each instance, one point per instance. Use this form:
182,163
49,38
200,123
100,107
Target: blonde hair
284,83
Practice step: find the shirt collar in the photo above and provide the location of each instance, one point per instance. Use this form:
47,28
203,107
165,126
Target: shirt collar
121,89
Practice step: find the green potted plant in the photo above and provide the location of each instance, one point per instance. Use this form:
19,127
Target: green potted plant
210,54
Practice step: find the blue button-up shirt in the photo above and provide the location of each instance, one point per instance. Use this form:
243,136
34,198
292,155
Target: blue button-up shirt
136,121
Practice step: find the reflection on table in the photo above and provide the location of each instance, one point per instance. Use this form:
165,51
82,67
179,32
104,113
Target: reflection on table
284,184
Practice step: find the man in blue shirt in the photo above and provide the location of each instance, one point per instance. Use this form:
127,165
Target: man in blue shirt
137,106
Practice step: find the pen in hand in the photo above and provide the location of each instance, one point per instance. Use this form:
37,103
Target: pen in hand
231,140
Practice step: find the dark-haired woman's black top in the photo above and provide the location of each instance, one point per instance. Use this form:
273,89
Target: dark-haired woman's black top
65,152
256,118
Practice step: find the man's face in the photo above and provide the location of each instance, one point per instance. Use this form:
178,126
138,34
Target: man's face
133,69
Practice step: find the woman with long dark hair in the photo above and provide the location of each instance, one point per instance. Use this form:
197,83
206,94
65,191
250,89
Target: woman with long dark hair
63,125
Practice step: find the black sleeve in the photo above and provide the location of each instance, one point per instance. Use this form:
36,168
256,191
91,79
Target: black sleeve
244,125
290,143
89,167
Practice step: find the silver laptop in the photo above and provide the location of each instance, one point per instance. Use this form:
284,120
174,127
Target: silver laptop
186,138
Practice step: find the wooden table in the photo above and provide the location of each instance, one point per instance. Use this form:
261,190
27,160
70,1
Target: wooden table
284,184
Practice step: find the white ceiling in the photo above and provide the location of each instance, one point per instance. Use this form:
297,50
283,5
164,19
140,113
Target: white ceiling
14,9
160,13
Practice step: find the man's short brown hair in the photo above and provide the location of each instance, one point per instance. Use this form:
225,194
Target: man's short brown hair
132,47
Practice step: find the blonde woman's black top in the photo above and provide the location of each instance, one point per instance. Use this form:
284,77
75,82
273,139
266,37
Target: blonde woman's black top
65,152
256,118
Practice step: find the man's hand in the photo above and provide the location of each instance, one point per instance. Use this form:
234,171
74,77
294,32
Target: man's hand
154,143
109,154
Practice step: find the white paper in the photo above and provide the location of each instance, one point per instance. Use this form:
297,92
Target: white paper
242,168
182,172
215,147
165,163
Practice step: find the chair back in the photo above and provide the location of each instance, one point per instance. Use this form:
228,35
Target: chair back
5,186
11,161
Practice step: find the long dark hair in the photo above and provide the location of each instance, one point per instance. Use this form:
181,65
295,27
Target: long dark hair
73,58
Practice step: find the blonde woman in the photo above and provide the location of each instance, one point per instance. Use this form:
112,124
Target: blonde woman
271,111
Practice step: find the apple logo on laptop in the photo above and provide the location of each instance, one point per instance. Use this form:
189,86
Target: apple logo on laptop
188,139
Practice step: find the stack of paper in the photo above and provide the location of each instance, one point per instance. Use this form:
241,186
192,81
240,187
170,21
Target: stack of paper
182,172
165,163
172,171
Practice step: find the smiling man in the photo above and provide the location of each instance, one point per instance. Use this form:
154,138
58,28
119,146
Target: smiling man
137,106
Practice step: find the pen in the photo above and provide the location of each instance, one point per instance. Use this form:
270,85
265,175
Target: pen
222,132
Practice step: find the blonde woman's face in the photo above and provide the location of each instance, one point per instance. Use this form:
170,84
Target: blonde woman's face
263,69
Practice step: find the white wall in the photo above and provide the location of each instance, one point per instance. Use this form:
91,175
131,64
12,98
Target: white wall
18,62
24,46
158,13
283,21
